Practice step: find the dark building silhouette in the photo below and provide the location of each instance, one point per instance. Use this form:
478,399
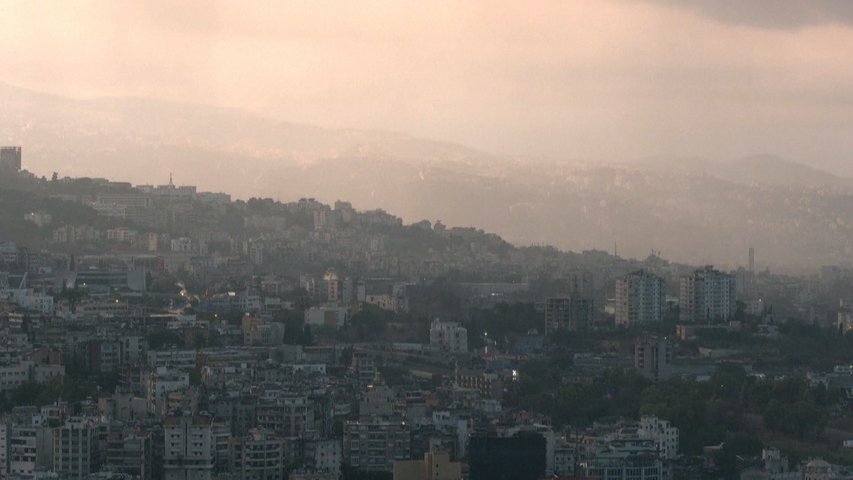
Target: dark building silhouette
521,457
653,358
10,158
570,312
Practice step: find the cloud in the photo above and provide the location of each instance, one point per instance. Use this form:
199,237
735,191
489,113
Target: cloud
774,14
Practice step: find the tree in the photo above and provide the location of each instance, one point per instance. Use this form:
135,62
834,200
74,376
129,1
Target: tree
369,323
394,375
738,444
159,339
729,379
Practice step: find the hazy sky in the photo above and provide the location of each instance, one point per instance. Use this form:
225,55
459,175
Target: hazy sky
570,78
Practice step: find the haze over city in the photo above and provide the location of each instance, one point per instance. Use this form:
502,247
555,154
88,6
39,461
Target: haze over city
544,113
593,80
426,240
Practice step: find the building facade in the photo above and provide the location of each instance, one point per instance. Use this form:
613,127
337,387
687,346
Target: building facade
449,337
640,298
374,445
653,358
10,158
570,313
256,456
189,448
707,295
75,448
434,466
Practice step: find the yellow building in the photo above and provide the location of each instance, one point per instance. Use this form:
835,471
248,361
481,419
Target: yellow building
434,466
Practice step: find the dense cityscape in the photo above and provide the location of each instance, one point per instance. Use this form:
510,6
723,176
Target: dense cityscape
161,332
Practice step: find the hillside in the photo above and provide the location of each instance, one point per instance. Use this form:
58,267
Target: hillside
766,170
690,210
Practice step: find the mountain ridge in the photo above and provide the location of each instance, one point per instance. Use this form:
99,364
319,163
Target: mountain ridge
689,215
758,169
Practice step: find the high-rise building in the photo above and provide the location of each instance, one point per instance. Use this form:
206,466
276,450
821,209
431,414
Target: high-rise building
10,158
662,432
130,452
640,298
324,455
521,457
572,313
334,287
75,448
752,260
652,358
374,445
707,294
26,444
257,456
189,450
287,415
256,252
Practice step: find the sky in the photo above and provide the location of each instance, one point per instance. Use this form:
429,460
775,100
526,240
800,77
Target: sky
577,79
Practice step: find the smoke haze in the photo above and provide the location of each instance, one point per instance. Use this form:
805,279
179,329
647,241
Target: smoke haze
610,80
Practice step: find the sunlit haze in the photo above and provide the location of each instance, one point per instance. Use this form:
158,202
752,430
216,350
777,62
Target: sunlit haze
612,80
426,239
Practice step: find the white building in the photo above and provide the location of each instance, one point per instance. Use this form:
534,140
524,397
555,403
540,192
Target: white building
448,337
26,445
160,383
663,433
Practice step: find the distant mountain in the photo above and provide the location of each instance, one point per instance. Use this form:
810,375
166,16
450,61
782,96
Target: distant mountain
752,170
772,170
114,134
691,210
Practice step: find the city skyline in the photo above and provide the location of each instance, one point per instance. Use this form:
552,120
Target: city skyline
436,240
